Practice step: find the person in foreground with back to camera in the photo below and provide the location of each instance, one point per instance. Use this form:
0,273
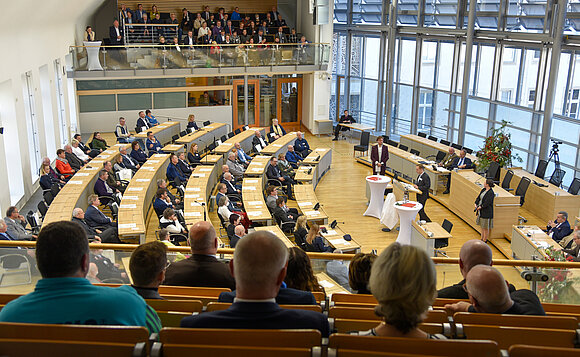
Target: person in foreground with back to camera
64,296
299,274
259,266
489,293
359,272
484,209
147,267
403,280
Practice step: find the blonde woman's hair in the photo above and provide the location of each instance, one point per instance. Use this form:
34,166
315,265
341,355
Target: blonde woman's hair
403,280
301,222
312,233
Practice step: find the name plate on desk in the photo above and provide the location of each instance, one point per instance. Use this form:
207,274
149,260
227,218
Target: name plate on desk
312,213
251,180
255,203
339,241
330,232
159,155
198,175
325,284
192,214
82,174
75,182
254,213
131,198
109,151
304,204
92,168
205,169
131,189
191,196
127,225
195,189
277,145
143,180
257,169
153,161
250,188
128,206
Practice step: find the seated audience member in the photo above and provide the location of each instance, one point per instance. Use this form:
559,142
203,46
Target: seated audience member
271,197
560,227
142,123
202,268
191,122
315,242
15,261
234,220
448,159
193,155
137,153
87,150
109,272
299,274
119,165
285,167
301,231
76,149
127,160
162,202
103,190
173,170
239,233
176,202
359,272
488,293
242,156
344,119
74,162
572,253
222,192
473,252
89,34
301,145
258,141
568,241
98,143
122,132
292,157
170,222
231,186
96,218
223,208
259,265
62,165
273,173
183,165
403,280
236,168
16,225
64,296
460,162
108,235
164,237
153,145
282,215
147,267
276,130
111,179
151,118
49,177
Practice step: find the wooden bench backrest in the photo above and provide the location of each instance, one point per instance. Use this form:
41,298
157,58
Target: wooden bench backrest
562,308
362,313
26,348
185,291
190,306
508,336
218,306
6,298
551,322
241,337
452,348
118,334
540,351
348,325
172,350
171,318
442,302
338,299
319,296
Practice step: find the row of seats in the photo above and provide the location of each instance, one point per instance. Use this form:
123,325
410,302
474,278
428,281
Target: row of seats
446,142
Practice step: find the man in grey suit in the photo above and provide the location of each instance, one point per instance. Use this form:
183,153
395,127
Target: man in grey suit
235,169
16,224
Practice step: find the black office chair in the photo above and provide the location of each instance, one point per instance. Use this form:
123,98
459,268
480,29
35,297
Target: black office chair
522,189
183,133
210,147
363,146
237,131
468,150
55,189
42,209
423,135
574,186
48,198
34,224
507,179
439,157
492,171
445,142
206,123
403,147
456,146
231,134
443,242
224,138
392,143
541,169
415,152
557,177
173,138
432,138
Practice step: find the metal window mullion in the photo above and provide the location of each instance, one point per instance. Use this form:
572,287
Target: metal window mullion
568,91
466,71
390,57
347,70
416,91
380,83
520,77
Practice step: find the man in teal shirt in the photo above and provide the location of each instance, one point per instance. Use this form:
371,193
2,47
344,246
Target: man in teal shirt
64,296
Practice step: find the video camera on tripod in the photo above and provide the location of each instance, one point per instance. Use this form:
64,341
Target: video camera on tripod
555,148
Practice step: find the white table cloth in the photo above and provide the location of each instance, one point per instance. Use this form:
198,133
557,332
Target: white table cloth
406,217
377,185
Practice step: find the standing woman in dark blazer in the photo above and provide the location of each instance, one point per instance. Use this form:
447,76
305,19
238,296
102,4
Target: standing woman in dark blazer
484,209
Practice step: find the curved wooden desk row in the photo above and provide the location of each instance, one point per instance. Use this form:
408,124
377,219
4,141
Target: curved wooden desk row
428,147
257,167
140,193
314,166
244,138
76,192
279,145
254,202
204,136
197,192
163,132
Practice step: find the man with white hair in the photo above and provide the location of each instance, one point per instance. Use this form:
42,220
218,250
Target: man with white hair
72,159
259,267
239,233
488,293
258,140
242,156
127,160
276,130
236,169
95,235
301,145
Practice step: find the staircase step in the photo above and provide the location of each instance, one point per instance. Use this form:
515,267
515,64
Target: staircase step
504,246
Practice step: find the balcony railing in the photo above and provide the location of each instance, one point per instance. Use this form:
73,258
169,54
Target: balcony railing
170,56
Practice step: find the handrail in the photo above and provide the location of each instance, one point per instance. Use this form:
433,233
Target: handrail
327,256
169,44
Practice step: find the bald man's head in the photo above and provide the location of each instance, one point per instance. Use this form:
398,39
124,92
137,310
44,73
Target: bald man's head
488,290
202,238
473,252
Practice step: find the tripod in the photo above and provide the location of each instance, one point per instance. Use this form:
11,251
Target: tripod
558,174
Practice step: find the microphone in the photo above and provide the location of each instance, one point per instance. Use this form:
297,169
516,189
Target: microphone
316,206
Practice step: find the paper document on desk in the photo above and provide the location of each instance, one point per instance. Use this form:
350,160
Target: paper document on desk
130,198
135,189
153,161
330,232
75,182
127,225
543,245
128,206
312,213
255,203
206,169
192,214
254,213
338,241
191,196
535,231
326,284
304,204
198,189
82,174
143,180
251,181
250,188
198,175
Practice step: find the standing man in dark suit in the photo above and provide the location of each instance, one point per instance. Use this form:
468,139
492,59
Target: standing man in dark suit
461,163
344,119
116,34
202,268
259,265
379,157
560,227
423,184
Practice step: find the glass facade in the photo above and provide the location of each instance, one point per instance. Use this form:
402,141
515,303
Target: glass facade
422,49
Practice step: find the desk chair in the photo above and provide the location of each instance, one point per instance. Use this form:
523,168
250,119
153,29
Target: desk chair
403,147
183,133
492,171
15,264
574,186
557,177
541,169
456,146
32,219
541,351
363,146
432,138
174,138
507,179
40,347
237,131
206,123
468,150
521,192
392,143
423,135
415,152
443,242
42,209
48,198
224,138
231,134
445,142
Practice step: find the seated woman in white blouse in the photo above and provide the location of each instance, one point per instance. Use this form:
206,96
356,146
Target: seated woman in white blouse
170,222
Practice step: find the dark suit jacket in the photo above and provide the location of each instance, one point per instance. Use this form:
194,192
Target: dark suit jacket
113,36
73,161
281,215
91,233
234,240
525,303
184,167
129,163
457,292
272,172
467,162
194,159
101,191
560,232
139,155
258,315
281,127
192,124
573,253
200,270
286,296
486,204
423,184
256,141
142,123
375,158
96,218
160,205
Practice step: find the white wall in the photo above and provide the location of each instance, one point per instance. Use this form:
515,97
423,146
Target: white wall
91,122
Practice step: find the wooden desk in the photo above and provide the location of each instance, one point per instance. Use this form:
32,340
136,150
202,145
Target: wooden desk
306,174
278,233
306,200
204,136
257,167
254,202
280,145
544,202
334,238
173,148
244,138
213,160
357,126
163,132
428,147
76,192
321,158
198,191
465,187
528,241
420,237
138,197
330,286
